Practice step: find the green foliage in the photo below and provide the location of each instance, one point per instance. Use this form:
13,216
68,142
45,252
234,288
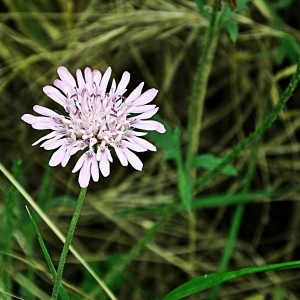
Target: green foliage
62,292
232,28
205,282
205,12
169,142
226,20
9,226
288,49
242,5
209,161
230,24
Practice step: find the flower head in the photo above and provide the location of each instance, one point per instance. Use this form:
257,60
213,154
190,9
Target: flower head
96,121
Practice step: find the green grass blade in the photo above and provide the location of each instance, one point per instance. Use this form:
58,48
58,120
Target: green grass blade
9,224
30,25
62,292
205,282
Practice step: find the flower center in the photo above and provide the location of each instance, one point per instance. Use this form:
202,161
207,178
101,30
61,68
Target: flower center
95,120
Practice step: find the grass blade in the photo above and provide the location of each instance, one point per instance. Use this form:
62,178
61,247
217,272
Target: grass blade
62,292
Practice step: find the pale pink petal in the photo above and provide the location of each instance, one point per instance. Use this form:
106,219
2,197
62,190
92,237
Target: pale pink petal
44,125
55,95
146,97
108,155
46,111
121,156
66,76
38,119
53,144
64,87
67,156
140,109
133,159
148,125
88,78
104,81
30,119
80,80
148,114
80,162
46,137
113,87
135,133
75,149
104,165
143,143
57,156
96,77
134,146
84,175
94,168
135,93
123,83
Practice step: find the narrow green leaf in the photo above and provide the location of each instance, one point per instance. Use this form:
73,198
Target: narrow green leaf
9,224
204,11
288,48
209,162
62,292
205,282
185,189
233,29
169,141
241,5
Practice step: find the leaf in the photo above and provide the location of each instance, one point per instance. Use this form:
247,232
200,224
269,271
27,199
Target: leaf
233,29
62,292
205,282
185,189
288,48
229,23
169,141
209,162
204,11
241,5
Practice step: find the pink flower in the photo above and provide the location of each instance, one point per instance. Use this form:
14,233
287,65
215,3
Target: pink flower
96,121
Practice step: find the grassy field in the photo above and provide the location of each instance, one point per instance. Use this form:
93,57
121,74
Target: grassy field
142,234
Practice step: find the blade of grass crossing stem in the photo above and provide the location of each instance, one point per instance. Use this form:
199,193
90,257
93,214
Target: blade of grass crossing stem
205,282
62,292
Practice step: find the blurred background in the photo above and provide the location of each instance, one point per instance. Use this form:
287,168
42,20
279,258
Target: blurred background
158,42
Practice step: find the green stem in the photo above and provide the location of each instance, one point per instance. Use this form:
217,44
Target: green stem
235,224
200,85
256,134
67,244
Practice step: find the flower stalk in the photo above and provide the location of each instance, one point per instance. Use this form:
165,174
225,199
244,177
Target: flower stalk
200,85
67,244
